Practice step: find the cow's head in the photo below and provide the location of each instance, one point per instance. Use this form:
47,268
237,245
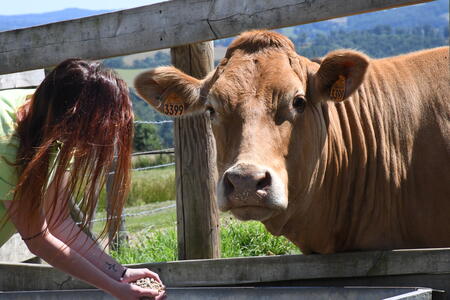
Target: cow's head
265,102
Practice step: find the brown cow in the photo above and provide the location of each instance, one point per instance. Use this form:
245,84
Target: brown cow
351,154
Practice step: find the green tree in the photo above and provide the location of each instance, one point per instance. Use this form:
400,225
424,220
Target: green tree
114,63
146,138
144,111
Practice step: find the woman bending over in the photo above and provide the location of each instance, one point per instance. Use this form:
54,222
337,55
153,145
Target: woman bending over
57,143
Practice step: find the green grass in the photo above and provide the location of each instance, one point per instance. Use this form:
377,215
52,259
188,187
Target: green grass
149,186
152,186
252,239
156,221
238,239
151,160
151,246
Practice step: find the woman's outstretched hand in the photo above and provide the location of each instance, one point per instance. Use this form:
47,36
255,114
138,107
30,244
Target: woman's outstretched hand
127,291
135,274
136,292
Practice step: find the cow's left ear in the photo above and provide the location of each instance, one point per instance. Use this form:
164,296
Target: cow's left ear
340,74
170,91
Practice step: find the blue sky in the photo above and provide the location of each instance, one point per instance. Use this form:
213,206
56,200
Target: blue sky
19,7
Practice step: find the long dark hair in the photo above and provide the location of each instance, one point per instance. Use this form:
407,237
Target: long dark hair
83,111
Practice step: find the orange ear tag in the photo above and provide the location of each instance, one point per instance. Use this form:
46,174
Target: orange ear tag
337,92
172,106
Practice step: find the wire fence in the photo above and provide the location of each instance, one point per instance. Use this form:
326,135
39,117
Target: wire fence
162,151
154,122
152,152
124,216
137,214
147,168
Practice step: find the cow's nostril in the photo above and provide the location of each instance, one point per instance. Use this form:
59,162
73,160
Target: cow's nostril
266,181
228,185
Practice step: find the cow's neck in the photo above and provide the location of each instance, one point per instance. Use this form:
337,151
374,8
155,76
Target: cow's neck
355,172
350,171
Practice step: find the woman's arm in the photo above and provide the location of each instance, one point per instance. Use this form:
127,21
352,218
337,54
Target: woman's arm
68,232
57,254
61,256
71,234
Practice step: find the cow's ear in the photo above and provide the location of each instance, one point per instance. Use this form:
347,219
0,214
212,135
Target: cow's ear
169,91
340,74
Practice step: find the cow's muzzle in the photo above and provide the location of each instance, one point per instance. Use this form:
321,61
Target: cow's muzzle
251,191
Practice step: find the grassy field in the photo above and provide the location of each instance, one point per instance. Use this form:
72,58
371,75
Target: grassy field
148,186
152,186
238,239
160,219
153,238
129,74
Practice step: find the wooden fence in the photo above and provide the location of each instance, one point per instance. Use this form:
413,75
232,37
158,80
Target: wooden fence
424,268
165,25
172,24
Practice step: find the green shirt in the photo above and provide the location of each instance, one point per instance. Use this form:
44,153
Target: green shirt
10,101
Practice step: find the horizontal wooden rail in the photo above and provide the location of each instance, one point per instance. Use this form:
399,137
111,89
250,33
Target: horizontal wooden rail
383,268
165,25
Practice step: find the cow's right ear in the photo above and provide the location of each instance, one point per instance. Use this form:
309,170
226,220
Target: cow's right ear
169,91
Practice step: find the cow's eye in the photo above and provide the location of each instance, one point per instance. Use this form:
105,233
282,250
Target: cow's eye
211,111
299,103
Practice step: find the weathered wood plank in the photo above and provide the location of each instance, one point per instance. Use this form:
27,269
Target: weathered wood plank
250,270
15,250
405,266
195,156
22,79
165,25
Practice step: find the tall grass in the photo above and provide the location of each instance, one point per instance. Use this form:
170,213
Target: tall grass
152,186
151,160
252,239
157,246
148,186
238,239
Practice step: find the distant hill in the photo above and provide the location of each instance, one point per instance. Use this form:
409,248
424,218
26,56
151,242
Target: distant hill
28,20
434,13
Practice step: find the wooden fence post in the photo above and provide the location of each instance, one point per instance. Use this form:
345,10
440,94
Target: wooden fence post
196,174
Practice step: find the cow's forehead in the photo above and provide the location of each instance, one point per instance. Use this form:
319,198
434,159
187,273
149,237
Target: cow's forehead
257,76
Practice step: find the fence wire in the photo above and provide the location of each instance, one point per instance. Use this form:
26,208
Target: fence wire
147,168
154,167
153,122
169,151
141,213
161,151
